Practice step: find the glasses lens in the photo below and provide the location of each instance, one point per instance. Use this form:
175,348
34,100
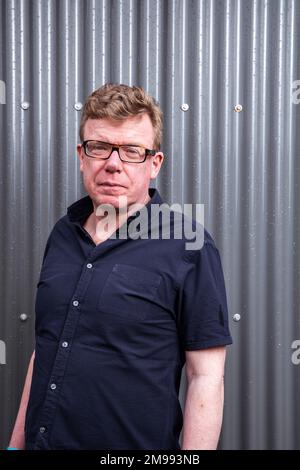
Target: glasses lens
98,149
132,154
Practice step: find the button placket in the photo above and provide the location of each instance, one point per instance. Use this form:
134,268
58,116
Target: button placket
64,351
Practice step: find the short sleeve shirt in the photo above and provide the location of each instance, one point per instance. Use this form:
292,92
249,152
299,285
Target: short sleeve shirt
113,322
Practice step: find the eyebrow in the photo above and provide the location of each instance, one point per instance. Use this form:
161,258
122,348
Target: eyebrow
114,143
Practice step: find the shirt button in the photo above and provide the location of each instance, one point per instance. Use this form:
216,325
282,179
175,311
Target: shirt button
65,344
89,265
42,429
75,303
53,386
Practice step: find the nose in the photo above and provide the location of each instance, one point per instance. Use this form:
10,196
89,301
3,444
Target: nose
113,163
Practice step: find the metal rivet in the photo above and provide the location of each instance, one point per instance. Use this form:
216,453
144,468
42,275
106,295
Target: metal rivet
78,106
53,386
89,265
238,108
42,429
25,105
23,317
75,303
236,317
184,107
65,344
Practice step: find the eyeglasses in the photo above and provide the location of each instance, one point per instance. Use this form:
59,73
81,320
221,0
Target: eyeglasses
127,153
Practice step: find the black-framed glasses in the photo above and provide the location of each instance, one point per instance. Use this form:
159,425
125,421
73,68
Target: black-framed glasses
127,153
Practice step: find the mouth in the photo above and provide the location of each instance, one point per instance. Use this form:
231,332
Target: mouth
110,185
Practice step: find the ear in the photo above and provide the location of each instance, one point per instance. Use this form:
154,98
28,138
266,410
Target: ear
156,163
80,155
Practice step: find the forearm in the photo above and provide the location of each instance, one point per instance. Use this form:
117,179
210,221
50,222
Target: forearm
203,413
18,435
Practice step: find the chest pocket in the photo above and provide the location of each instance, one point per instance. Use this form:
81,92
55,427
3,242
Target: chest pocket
129,292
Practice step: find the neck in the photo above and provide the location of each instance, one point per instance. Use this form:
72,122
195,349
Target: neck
102,226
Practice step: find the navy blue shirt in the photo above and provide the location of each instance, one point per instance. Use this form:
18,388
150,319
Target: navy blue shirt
113,322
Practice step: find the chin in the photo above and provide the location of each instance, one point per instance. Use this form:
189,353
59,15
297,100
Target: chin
109,199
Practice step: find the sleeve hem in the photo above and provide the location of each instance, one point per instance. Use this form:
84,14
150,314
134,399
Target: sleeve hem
208,344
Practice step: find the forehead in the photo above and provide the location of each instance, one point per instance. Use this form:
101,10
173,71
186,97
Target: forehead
134,130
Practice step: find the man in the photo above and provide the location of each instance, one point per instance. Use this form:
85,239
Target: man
117,317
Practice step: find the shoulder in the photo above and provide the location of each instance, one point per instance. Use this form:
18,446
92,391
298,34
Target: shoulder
61,229
197,239
61,224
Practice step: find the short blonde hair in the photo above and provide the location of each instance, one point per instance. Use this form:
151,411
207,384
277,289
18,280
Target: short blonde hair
118,102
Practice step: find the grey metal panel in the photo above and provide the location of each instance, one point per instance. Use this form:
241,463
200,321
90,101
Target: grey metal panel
244,166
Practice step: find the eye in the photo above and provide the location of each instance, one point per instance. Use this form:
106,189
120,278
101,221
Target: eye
98,146
132,151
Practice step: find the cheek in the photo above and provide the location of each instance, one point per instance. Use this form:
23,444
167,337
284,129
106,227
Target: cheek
89,173
140,174
86,174
139,179
89,181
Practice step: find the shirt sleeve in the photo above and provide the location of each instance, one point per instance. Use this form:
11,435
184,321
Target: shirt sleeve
203,314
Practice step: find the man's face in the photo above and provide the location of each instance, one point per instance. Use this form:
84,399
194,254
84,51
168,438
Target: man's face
106,180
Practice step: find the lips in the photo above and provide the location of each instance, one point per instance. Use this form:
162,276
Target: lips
111,184
108,187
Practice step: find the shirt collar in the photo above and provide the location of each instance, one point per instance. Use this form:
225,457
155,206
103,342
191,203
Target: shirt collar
81,209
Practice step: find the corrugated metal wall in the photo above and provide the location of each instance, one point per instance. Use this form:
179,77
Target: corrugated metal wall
244,166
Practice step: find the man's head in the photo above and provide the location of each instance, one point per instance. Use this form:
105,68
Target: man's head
121,115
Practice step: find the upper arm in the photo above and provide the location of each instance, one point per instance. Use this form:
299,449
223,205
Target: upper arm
205,362
202,318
